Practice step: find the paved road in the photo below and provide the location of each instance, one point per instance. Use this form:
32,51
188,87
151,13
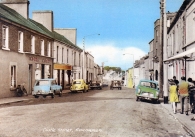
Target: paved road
104,113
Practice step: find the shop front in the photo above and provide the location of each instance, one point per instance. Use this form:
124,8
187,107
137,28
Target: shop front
39,67
59,74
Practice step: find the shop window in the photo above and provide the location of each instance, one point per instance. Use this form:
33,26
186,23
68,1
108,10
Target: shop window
20,41
13,76
42,47
32,44
5,37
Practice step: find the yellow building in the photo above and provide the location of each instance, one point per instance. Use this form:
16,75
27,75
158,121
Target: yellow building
130,78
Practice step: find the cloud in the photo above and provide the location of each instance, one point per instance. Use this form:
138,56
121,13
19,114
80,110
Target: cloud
114,56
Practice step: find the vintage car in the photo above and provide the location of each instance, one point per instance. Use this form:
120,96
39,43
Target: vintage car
116,84
79,85
95,85
46,87
147,89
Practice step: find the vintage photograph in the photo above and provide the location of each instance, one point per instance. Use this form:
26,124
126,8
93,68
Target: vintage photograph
97,68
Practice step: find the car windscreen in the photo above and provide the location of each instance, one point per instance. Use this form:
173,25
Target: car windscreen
148,84
42,82
77,82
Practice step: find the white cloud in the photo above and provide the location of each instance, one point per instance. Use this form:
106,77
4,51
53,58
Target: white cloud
113,56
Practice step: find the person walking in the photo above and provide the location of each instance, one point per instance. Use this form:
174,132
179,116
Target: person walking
191,94
175,80
183,95
173,97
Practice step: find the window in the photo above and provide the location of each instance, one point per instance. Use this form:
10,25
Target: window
20,41
5,37
62,55
13,76
42,47
57,53
79,60
49,49
32,44
67,56
74,58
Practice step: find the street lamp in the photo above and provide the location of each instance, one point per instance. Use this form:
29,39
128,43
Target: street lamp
133,68
84,52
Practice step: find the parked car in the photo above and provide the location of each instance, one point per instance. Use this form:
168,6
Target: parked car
116,84
79,85
46,87
95,85
147,89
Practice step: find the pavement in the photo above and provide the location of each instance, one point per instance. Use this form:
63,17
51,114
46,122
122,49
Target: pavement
184,120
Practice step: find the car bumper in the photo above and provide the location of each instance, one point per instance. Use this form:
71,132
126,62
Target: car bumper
41,93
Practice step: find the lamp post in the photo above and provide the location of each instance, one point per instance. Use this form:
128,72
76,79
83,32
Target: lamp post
133,68
84,53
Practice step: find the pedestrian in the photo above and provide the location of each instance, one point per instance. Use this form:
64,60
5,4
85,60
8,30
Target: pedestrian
183,95
175,80
176,83
191,94
173,96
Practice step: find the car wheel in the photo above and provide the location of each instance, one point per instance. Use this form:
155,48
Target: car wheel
36,96
84,90
60,94
52,96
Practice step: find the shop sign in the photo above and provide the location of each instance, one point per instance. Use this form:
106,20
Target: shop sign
36,59
62,67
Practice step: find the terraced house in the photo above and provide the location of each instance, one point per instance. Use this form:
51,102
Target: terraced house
26,50
31,49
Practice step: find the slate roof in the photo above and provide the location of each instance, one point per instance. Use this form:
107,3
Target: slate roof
13,16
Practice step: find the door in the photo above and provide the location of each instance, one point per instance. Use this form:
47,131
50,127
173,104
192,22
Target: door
30,78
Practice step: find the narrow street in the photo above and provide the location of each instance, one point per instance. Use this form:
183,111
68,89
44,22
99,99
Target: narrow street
104,113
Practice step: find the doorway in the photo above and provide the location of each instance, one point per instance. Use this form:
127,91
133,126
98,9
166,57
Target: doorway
30,78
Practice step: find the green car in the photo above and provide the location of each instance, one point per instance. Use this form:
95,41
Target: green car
148,90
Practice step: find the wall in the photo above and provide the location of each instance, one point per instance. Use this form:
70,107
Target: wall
69,33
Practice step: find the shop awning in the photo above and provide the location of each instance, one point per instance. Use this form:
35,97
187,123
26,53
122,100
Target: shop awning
183,55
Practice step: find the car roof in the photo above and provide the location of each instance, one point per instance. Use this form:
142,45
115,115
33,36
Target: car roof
147,80
45,79
78,80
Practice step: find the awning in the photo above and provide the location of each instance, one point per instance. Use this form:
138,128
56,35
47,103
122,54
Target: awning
182,55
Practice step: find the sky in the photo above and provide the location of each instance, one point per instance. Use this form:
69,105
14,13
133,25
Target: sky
125,26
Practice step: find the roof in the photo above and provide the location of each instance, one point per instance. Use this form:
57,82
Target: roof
13,16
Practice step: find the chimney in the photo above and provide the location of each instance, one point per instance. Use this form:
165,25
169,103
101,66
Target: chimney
20,6
45,18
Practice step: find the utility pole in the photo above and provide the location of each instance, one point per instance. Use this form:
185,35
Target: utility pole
162,25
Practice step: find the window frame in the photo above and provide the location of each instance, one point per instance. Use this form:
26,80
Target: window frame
20,41
42,47
32,44
5,37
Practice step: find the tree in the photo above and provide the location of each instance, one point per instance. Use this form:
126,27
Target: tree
116,69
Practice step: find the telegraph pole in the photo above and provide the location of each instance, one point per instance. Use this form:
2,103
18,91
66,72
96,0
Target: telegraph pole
162,44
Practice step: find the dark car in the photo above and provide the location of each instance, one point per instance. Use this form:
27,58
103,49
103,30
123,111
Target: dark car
116,84
95,85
